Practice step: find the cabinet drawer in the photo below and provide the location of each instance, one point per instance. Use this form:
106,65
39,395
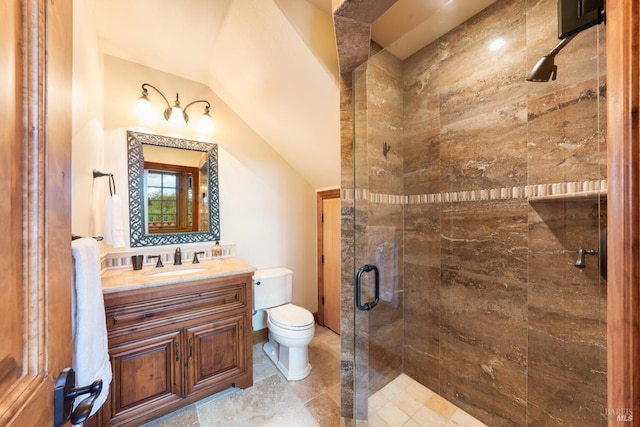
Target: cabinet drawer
140,315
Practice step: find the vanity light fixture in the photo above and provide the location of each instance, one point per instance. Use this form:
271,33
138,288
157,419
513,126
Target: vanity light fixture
174,114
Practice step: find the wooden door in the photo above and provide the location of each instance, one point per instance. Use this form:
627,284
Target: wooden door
35,181
329,259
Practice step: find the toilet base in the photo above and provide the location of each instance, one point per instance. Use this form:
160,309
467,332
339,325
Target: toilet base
293,362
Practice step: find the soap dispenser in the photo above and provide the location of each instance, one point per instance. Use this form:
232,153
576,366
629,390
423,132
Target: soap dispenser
216,252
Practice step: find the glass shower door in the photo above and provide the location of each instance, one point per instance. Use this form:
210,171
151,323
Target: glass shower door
479,205
378,206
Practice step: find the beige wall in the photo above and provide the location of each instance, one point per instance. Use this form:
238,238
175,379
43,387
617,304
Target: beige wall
87,124
266,208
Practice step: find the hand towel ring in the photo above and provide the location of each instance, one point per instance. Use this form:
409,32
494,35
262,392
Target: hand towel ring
112,182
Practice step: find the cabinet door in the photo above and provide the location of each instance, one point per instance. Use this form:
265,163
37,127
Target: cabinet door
147,375
216,353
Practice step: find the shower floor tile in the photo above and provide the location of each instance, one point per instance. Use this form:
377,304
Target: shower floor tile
407,403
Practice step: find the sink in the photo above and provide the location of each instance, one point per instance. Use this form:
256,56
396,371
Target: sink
161,272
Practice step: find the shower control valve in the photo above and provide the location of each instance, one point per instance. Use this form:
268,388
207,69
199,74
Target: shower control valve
580,262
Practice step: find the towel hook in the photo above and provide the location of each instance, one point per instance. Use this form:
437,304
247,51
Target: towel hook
385,149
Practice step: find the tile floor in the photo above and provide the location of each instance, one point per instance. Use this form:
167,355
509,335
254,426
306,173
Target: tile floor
315,401
274,401
407,403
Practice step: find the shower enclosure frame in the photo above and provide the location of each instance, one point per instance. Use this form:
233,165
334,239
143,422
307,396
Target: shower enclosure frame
623,160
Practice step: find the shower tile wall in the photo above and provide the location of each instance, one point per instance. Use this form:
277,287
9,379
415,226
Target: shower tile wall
496,317
566,317
422,165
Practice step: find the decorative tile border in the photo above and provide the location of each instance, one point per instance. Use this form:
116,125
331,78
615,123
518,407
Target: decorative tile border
122,259
528,192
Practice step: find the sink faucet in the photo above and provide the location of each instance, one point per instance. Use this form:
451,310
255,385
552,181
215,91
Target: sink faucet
195,257
177,257
159,263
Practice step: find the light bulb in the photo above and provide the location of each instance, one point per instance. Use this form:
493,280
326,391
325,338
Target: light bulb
176,117
143,108
206,124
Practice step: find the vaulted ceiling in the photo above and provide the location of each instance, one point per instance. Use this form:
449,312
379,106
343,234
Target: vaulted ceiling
273,62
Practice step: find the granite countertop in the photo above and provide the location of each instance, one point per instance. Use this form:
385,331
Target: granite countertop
118,280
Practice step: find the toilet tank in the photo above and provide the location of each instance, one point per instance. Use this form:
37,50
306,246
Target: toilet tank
272,287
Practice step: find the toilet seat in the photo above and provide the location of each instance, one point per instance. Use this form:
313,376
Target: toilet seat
291,317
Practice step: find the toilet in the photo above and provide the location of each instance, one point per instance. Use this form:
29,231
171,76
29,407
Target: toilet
291,328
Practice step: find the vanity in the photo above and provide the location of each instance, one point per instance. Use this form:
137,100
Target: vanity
176,335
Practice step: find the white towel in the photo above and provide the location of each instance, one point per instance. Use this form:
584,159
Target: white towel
113,222
89,329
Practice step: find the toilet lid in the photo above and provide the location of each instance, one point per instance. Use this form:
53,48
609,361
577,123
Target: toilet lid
290,316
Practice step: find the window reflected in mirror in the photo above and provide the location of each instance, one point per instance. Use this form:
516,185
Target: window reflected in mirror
170,201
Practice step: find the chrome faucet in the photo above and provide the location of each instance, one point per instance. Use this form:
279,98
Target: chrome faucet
177,257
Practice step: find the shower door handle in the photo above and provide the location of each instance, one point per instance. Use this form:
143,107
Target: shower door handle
367,305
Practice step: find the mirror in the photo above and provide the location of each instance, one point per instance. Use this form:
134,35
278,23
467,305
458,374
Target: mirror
173,190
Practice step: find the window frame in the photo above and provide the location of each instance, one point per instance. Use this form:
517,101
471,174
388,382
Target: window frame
182,201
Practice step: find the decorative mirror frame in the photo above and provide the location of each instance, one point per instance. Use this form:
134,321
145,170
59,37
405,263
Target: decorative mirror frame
137,230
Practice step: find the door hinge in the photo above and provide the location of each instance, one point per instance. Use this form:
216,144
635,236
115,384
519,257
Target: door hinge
321,217
322,259
323,300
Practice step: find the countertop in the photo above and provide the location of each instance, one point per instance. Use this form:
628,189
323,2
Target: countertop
118,280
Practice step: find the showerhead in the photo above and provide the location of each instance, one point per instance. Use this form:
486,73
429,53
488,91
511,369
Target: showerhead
545,68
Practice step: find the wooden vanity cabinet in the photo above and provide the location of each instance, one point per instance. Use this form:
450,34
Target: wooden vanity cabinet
172,345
